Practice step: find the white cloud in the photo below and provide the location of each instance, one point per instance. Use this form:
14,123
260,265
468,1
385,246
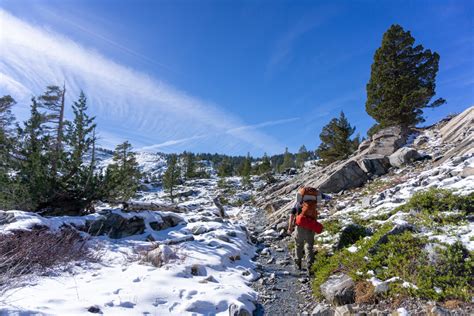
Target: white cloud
128,104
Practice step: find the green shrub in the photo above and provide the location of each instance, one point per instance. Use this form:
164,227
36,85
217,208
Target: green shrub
350,234
352,263
436,200
403,256
432,207
332,226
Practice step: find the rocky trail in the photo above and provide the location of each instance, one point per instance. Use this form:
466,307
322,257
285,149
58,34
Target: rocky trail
283,290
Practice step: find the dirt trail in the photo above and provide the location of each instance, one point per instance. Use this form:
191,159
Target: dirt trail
283,290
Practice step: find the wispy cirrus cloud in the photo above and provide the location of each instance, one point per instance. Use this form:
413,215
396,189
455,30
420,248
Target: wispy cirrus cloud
234,130
128,104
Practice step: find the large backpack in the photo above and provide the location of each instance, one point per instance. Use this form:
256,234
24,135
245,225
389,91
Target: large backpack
309,213
309,198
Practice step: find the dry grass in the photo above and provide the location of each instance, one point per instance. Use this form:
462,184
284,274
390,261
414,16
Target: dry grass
27,252
453,304
364,293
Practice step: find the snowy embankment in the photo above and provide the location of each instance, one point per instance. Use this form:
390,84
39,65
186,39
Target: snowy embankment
446,176
207,267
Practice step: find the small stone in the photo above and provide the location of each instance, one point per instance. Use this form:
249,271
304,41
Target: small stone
209,279
345,310
94,309
322,310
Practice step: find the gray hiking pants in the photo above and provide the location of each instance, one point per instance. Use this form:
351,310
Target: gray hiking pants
304,239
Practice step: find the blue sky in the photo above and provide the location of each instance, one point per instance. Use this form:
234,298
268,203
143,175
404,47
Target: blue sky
223,76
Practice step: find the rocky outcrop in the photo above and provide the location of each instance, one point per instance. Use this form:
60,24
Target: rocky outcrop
459,127
347,176
403,156
167,221
338,289
459,133
116,226
387,141
374,164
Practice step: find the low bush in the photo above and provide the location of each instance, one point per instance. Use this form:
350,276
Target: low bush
25,252
447,277
437,200
350,234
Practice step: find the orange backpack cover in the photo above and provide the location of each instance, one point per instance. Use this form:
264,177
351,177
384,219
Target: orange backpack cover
309,214
309,207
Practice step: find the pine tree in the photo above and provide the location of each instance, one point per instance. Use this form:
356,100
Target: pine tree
34,176
302,156
53,102
402,80
171,178
225,168
287,161
123,176
335,140
265,166
189,165
80,179
246,169
6,148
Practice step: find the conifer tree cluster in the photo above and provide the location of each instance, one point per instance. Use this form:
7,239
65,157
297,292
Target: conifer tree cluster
48,163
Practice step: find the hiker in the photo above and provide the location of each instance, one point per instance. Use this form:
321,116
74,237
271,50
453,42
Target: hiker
304,215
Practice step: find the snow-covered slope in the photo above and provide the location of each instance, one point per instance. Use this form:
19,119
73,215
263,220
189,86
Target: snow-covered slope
208,269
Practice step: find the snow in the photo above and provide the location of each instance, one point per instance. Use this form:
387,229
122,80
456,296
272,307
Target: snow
201,276
445,176
353,249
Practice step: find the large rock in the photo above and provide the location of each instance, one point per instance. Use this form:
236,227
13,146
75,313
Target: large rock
374,164
115,226
346,176
387,141
338,289
160,255
403,156
168,220
459,127
6,218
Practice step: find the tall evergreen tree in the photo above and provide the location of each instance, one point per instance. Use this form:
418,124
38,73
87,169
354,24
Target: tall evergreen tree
189,165
81,179
6,148
336,143
53,101
123,176
172,176
225,168
287,161
34,175
265,166
302,156
246,169
402,80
